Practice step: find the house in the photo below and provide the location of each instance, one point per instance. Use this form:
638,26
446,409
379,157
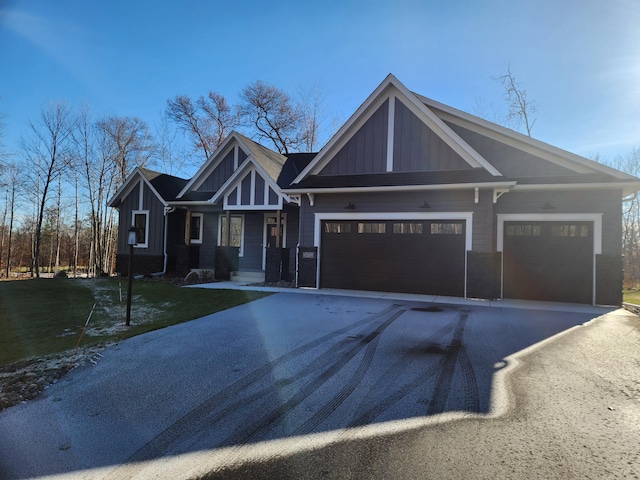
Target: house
410,195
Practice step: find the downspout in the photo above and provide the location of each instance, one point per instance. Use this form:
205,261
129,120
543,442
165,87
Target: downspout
167,211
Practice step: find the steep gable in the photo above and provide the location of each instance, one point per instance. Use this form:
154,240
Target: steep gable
392,132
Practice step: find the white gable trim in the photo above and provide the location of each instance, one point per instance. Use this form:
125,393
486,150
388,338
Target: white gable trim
388,90
235,181
213,161
131,183
519,141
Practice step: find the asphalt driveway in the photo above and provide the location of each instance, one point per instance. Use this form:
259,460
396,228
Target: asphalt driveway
283,373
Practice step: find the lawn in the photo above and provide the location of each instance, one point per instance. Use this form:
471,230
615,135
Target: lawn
44,316
631,296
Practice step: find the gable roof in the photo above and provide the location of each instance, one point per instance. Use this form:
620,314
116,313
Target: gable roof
271,162
164,186
468,136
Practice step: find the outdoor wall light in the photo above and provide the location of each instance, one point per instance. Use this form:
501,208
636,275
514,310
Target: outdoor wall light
131,238
350,206
548,206
425,205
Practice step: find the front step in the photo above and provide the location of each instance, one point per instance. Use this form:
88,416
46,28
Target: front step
248,277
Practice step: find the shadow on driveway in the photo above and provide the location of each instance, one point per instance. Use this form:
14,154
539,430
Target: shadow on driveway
285,366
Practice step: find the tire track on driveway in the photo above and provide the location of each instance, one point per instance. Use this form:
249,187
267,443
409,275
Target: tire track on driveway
369,344
184,426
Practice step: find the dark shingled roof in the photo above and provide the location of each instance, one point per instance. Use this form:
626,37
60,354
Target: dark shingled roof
442,177
196,196
296,162
167,186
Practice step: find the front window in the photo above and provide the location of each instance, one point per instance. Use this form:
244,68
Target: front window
235,236
140,221
195,228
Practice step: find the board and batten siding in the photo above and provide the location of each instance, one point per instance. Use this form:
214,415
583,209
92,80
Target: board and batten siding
366,151
219,175
253,236
155,208
417,148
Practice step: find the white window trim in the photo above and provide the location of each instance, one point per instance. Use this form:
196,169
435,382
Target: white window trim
146,227
197,241
223,215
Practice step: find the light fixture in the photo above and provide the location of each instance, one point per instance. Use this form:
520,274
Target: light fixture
548,206
132,237
425,205
350,206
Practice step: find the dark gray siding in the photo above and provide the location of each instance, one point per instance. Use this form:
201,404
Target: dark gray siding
209,239
253,237
156,221
510,161
246,190
241,156
220,175
417,148
460,201
366,151
259,191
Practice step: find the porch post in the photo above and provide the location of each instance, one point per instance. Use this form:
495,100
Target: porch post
277,229
187,229
228,228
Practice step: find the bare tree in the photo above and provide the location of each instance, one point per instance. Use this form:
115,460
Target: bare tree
274,116
313,115
131,143
47,155
207,121
13,181
520,108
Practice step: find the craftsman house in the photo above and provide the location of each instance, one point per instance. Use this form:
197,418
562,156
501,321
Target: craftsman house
410,195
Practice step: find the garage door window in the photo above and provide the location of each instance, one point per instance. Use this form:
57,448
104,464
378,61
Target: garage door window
372,227
524,230
446,229
570,231
337,227
407,228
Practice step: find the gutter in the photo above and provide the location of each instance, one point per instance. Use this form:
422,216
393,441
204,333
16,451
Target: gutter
401,188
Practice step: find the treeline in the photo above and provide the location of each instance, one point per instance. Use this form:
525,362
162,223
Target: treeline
54,190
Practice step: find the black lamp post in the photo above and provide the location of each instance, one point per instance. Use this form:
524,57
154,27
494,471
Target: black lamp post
131,241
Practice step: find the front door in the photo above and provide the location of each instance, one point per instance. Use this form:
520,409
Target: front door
270,234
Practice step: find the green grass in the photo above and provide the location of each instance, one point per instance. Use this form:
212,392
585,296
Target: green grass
44,316
631,296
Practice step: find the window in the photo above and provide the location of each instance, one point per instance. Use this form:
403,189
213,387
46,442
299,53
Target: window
570,231
337,227
140,221
408,228
524,230
195,228
371,227
236,237
446,229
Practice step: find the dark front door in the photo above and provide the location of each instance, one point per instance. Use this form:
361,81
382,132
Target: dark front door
410,256
272,231
550,261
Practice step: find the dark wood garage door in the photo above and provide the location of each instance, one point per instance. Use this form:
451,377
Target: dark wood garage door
550,261
394,256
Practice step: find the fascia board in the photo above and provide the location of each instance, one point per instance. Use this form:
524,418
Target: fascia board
627,187
403,188
520,141
209,165
130,184
187,203
357,119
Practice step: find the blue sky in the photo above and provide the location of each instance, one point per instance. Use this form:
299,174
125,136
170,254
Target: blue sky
578,59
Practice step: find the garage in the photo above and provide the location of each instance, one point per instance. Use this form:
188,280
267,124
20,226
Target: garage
550,261
411,256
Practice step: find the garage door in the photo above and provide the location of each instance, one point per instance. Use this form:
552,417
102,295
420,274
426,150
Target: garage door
394,256
550,261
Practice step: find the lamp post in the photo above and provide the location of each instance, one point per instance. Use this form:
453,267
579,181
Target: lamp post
131,241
